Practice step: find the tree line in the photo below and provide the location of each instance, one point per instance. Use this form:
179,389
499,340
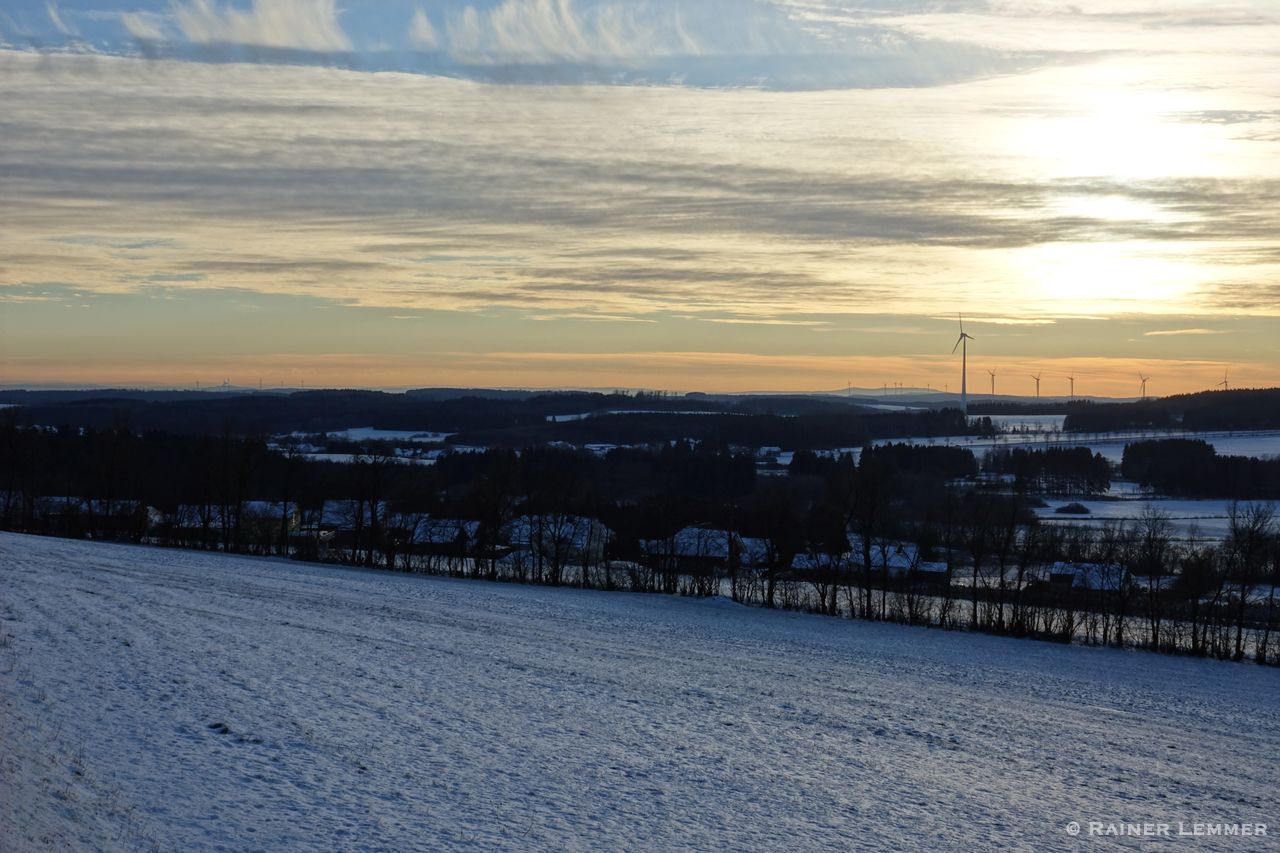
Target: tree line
896,532
508,420
1193,468
1067,471
1242,409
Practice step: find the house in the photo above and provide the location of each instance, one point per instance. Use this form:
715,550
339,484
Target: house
445,537
258,525
896,558
559,536
1091,576
700,550
753,552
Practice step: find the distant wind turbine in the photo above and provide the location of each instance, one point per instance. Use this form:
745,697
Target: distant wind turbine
993,382
1224,384
1144,385
1036,377
962,343
1072,379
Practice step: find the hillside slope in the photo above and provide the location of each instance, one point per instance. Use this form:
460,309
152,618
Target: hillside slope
196,702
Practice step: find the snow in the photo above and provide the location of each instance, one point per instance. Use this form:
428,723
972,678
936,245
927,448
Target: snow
582,416
393,435
195,701
1040,423
1262,443
890,407
407,444
427,458
1206,519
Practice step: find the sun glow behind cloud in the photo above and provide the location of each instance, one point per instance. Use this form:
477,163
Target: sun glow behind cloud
1111,163
1100,279
1114,122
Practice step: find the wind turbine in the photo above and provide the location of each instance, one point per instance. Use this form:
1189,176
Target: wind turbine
1224,385
962,343
1072,379
1144,385
1036,377
993,382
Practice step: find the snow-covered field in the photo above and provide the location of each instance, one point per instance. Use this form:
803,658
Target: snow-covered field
397,436
1189,519
1260,443
190,701
1039,423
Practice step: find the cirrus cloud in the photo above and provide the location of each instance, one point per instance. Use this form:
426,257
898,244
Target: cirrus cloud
422,34
1161,333
310,25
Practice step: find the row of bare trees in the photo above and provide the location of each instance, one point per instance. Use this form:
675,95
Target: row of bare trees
1135,584
1122,584
899,534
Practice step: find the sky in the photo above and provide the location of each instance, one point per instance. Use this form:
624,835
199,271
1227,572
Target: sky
718,195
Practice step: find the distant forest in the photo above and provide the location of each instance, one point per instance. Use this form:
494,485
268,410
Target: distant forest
792,423
521,418
1192,468
1054,470
1209,410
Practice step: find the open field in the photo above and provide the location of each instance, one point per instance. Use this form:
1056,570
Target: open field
1264,444
193,701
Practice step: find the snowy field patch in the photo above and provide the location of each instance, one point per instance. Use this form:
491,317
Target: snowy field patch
1264,444
1197,520
191,701
1035,423
393,435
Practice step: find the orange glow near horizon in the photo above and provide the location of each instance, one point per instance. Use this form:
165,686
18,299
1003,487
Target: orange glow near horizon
671,371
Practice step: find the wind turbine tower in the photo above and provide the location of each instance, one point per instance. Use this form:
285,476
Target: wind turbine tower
993,382
1224,384
1144,385
1072,379
1036,377
962,343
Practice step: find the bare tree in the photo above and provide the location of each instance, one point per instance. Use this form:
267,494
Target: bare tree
1152,557
867,516
1251,536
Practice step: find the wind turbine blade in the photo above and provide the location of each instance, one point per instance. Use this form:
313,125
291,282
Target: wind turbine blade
957,346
